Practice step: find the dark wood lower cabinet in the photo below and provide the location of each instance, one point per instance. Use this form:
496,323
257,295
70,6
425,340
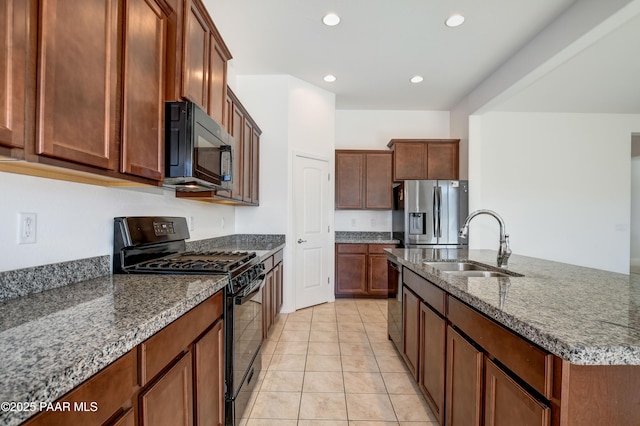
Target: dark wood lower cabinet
410,350
209,377
169,401
272,292
506,403
361,270
464,382
431,364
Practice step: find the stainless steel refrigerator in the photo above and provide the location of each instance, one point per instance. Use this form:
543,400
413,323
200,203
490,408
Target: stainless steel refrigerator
429,213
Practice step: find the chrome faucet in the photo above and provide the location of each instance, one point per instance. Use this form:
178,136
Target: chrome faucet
504,251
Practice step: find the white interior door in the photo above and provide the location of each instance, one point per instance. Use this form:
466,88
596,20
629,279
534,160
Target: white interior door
311,192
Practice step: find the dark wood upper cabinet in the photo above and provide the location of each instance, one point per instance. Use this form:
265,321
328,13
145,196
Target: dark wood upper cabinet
363,180
78,67
15,16
145,28
195,64
349,180
415,159
205,56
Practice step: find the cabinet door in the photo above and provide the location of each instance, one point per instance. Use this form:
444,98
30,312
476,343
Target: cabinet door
247,135
411,330
169,401
15,21
77,81
464,382
378,283
255,167
431,366
237,131
195,66
350,168
279,289
351,269
143,89
217,80
507,403
378,181
409,161
209,377
442,160
267,304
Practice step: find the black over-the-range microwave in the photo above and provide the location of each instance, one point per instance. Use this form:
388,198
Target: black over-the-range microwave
198,151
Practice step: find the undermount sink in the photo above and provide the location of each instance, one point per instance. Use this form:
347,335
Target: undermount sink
469,269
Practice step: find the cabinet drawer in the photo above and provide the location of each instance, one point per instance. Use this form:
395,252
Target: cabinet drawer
161,348
268,263
531,363
428,292
351,248
379,248
110,389
277,258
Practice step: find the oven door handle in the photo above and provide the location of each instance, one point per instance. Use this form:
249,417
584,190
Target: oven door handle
240,300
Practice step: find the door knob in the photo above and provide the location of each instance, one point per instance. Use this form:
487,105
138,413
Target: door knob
300,241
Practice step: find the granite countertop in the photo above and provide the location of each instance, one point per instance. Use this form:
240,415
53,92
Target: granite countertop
53,340
583,315
344,237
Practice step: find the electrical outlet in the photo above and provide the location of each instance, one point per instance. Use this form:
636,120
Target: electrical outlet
27,228
191,224
222,222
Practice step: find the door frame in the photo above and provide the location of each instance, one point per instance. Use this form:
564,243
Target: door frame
330,220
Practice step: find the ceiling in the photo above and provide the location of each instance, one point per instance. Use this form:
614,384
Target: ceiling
380,44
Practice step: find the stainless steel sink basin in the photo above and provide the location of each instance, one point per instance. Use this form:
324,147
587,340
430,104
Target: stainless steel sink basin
477,273
456,266
469,269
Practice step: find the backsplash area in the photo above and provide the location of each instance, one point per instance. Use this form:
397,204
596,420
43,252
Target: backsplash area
22,282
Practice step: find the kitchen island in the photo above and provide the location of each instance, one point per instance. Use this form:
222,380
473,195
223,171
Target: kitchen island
54,340
573,331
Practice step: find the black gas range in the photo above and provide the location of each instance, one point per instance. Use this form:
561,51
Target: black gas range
157,245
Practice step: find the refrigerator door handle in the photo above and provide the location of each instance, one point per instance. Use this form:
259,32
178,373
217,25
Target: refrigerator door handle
439,192
434,212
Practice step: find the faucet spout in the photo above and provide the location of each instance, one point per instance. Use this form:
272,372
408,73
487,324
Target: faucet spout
503,251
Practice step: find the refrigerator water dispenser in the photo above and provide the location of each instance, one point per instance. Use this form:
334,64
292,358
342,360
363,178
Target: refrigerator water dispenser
417,223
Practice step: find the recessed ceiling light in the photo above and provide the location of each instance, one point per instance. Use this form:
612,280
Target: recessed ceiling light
454,21
416,79
329,78
331,19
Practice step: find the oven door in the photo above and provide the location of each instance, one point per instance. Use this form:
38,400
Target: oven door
245,347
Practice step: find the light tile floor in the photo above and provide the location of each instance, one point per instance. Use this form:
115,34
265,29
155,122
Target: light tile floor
333,365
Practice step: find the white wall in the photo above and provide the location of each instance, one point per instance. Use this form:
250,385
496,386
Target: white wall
373,129
560,181
295,117
75,221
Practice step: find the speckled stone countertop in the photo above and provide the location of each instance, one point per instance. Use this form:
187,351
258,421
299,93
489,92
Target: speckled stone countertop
53,340
344,237
586,316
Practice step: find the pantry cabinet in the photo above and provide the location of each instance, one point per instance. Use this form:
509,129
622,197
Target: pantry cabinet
364,180
415,159
361,270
